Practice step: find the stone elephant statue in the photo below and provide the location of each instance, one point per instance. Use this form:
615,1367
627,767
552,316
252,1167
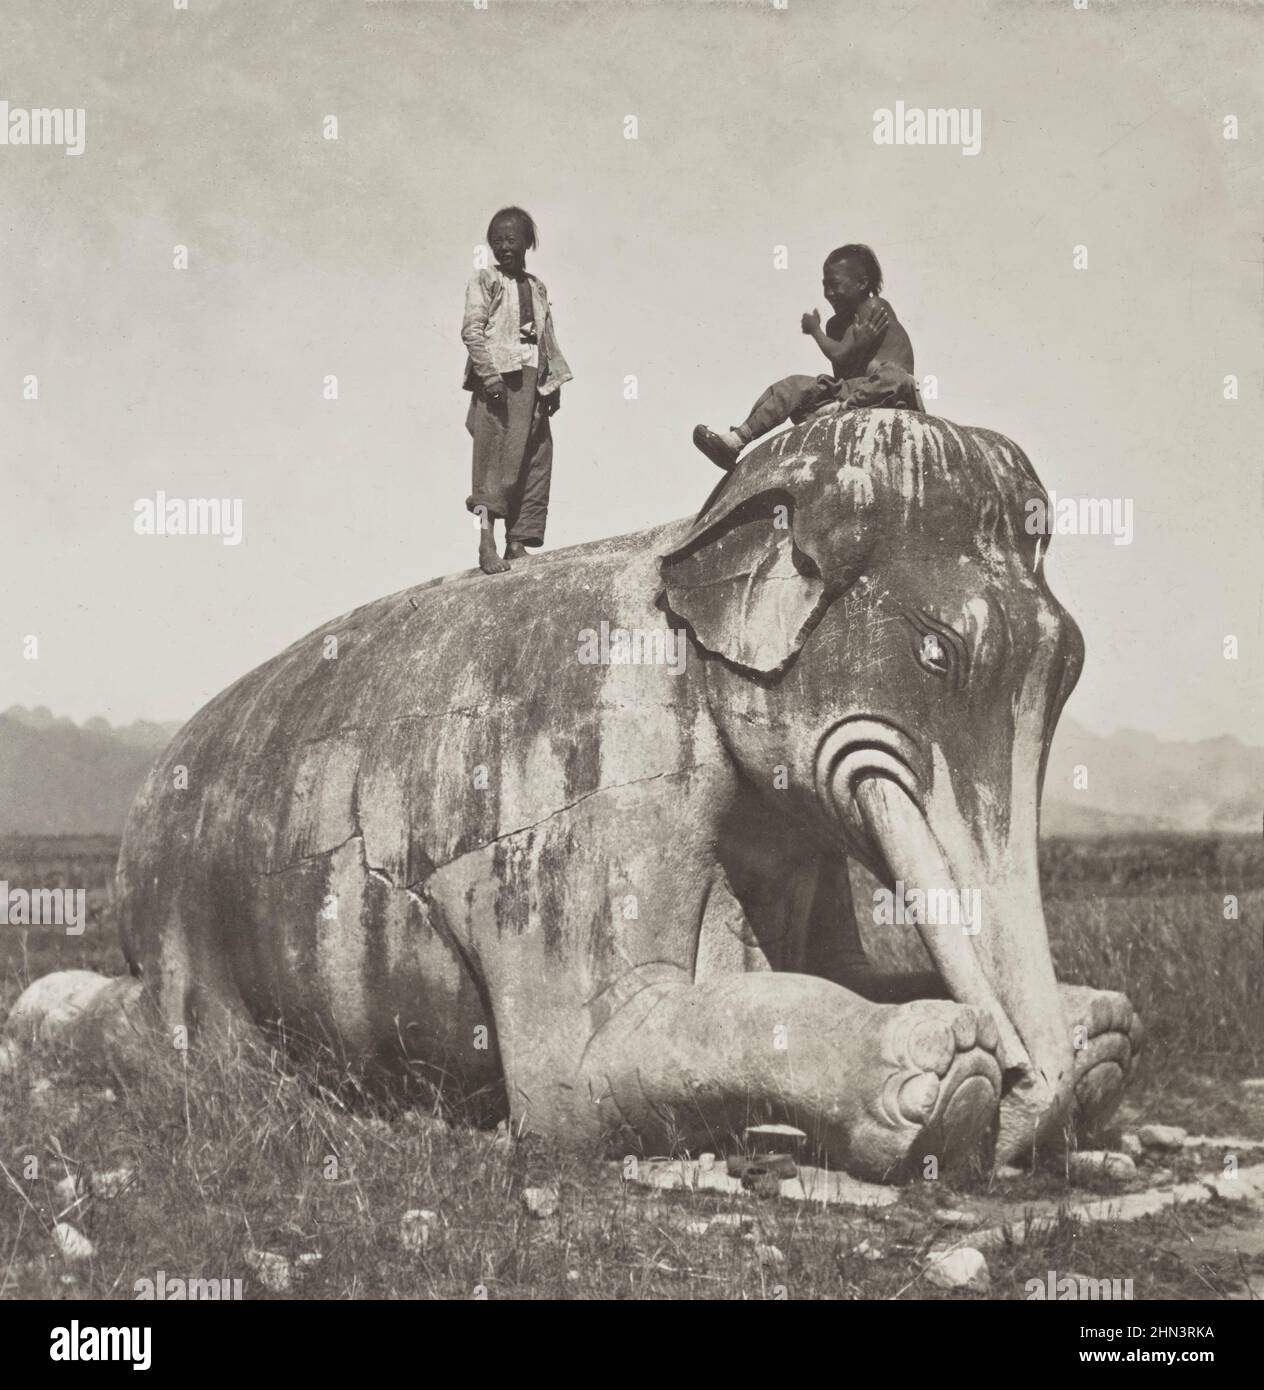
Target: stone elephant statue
573,841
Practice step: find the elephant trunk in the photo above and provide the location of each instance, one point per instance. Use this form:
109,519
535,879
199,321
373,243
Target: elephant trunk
990,947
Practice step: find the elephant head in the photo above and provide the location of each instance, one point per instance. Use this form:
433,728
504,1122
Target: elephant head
874,619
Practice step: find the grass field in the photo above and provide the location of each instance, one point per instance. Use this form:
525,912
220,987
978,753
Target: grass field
223,1164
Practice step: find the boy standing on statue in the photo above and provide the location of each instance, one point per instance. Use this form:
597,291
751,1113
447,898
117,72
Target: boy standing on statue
515,371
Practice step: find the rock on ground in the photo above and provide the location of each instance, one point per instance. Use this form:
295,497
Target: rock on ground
1161,1136
415,1228
960,1269
72,1242
1101,1163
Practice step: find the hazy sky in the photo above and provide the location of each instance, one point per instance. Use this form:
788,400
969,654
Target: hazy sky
308,257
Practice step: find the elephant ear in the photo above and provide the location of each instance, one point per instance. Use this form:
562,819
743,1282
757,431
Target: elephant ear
747,591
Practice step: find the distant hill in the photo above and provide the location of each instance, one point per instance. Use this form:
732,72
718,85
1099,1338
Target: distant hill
57,778
1137,782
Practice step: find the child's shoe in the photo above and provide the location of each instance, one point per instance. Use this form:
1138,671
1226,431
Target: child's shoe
721,449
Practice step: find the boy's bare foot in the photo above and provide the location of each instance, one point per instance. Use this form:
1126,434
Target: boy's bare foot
515,550
488,561
721,449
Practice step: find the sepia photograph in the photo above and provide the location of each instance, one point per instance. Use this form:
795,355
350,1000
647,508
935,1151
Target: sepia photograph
630,665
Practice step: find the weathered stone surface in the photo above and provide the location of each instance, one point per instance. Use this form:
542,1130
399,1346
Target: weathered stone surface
1131,1145
581,832
1161,1136
959,1269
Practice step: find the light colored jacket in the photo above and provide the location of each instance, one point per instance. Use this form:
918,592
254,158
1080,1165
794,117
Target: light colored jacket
489,331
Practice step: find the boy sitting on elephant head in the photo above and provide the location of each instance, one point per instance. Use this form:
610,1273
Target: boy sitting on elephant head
867,347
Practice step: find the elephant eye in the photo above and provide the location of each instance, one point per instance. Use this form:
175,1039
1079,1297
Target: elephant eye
933,656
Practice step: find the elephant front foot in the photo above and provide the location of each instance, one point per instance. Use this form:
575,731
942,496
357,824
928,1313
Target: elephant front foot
1106,1035
938,1094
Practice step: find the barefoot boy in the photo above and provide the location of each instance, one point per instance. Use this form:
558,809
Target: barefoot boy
515,371
867,347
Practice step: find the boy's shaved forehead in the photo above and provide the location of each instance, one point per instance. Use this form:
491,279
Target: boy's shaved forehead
524,220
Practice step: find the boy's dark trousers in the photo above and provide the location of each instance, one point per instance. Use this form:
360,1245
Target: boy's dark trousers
785,399
513,457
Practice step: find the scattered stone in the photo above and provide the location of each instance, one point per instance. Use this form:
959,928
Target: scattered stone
1033,1220
72,1243
1229,1189
960,1269
113,1183
1006,1172
706,1162
1253,1086
1161,1136
308,1262
415,1227
769,1255
541,1202
867,1252
1162,1175
1101,1163
573,1275
950,1216
770,1165
670,1179
275,1272
1131,1145
107,1095
41,1086
697,1228
1220,1141
762,1139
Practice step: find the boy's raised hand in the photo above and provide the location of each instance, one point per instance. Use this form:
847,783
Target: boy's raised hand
809,323
872,321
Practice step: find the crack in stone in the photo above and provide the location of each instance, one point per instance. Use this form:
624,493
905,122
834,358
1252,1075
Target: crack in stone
358,832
